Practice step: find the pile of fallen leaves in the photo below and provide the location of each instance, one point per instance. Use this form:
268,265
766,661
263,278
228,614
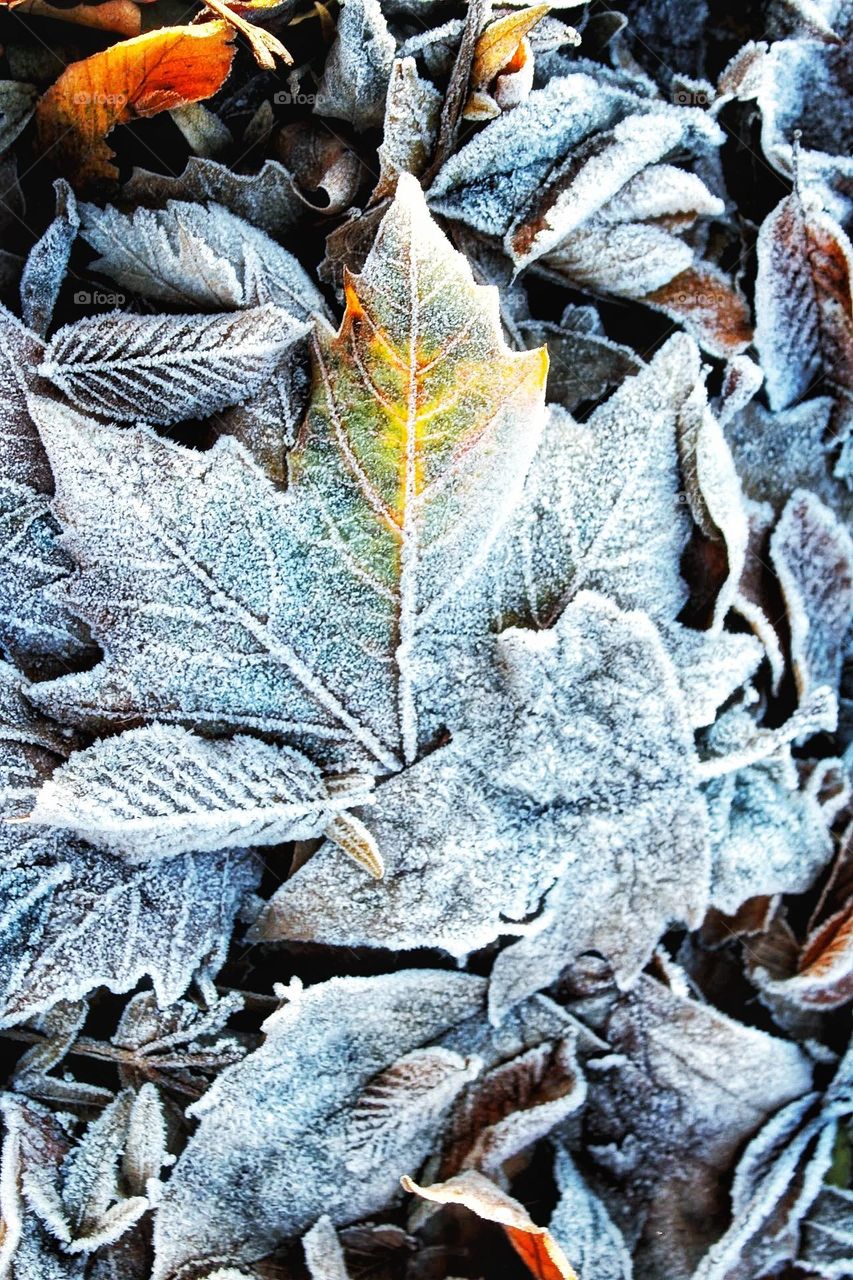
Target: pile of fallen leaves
425,585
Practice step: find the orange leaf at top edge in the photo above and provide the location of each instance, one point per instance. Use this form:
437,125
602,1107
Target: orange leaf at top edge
536,1247
141,77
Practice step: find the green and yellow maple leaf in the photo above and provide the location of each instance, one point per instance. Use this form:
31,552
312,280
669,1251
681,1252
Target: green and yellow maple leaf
311,604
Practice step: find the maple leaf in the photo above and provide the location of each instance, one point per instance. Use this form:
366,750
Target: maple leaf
139,77
387,514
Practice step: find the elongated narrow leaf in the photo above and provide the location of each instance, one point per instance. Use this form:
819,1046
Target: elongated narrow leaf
165,368
154,793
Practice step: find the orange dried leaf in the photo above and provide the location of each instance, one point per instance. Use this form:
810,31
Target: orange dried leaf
141,77
535,1245
500,41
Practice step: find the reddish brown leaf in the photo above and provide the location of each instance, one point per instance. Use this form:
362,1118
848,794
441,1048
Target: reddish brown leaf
707,304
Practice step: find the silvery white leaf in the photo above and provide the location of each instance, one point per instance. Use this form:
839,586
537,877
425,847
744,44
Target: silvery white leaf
161,369
803,303
34,630
198,255
324,1256
410,126
22,458
157,792
266,199
355,78
805,87
582,1225
269,1155
76,919
812,554
474,834
47,262
668,1115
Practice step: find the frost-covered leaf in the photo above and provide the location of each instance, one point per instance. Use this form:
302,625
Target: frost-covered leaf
324,1256
805,102
22,458
713,492
582,1225
780,1176
538,1249
602,506
17,104
269,1155
492,183
827,1238
161,369
812,554
584,363
33,630
710,307
669,1111
47,262
157,792
768,834
803,301
76,919
266,199
415,446
776,453
510,1108
358,67
474,834
410,126
198,255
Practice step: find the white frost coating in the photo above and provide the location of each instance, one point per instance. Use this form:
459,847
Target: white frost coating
582,1225
587,741
493,180
33,626
682,1091
161,791
803,302
767,835
75,919
161,369
269,1155
355,78
324,1256
812,554
198,255
266,199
